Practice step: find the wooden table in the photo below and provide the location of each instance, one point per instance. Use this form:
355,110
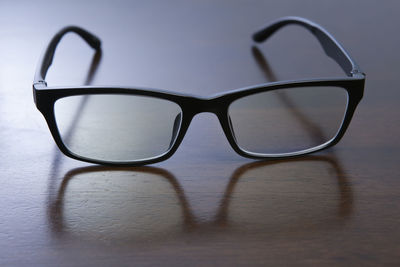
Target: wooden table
205,206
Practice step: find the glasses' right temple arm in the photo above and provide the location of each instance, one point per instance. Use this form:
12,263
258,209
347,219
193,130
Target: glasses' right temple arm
48,55
331,47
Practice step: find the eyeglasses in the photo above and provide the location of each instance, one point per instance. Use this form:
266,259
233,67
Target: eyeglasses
136,126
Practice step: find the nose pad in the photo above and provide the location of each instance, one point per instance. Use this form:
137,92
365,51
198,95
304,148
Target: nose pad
231,126
177,123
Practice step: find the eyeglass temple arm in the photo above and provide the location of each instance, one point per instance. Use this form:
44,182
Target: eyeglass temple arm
331,46
48,55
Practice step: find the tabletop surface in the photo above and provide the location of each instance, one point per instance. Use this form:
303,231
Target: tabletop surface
205,205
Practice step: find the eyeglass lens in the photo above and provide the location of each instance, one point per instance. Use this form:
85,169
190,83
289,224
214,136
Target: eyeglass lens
117,127
287,120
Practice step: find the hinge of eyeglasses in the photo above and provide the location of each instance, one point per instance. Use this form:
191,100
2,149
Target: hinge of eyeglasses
357,73
40,82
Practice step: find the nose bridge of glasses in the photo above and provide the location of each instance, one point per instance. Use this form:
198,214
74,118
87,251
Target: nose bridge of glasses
204,105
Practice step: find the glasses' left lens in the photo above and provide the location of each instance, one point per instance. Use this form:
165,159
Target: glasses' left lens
288,121
117,128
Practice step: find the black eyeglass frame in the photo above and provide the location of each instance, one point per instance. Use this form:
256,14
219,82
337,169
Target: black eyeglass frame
45,96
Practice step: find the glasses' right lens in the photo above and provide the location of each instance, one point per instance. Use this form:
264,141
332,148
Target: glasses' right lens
117,128
285,121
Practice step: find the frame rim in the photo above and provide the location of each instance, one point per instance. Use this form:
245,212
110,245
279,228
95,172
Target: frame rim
191,105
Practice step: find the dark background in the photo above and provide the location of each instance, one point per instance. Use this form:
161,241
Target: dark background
205,205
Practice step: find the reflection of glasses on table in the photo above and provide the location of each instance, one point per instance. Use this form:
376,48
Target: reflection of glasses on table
131,126
95,217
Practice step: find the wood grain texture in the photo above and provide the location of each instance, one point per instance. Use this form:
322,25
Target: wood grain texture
205,206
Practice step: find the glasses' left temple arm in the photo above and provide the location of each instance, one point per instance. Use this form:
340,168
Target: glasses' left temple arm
330,45
48,55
